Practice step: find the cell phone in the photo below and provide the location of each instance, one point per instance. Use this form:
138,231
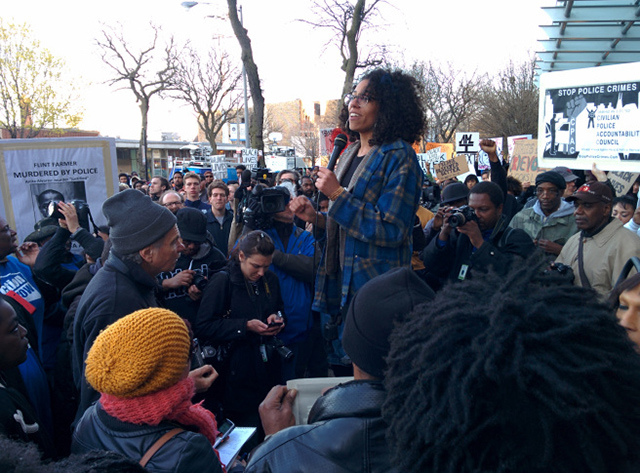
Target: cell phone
275,324
224,431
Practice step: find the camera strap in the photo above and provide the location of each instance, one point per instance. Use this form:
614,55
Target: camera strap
583,276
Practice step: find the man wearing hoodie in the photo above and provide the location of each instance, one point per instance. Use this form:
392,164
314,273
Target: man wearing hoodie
550,222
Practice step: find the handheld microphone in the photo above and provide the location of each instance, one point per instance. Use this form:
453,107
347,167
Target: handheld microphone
338,145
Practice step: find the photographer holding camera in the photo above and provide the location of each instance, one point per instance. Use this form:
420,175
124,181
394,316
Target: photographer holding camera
182,287
481,238
240,315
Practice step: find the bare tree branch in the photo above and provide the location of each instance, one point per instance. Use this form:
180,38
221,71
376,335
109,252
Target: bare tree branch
147,72
210,85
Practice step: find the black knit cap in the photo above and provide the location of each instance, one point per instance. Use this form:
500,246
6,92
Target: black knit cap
135,221
552,177
192,224
372,313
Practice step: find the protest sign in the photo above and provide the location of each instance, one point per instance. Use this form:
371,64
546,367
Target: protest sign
34,172
524,163
452,167
511,142
435,153
249,158
219,166
467,142
622,181
590,116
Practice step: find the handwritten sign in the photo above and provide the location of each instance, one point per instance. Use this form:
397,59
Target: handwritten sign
452,167
622,181
524,164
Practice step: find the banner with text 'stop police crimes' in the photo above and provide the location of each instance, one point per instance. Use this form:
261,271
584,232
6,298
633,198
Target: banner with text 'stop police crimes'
590,115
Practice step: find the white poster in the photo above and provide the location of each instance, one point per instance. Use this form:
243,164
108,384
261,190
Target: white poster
36,172
250,158
590,116
467,143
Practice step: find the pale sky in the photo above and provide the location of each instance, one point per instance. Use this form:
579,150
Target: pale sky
471,34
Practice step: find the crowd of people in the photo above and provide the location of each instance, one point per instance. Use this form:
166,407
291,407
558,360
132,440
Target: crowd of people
495,330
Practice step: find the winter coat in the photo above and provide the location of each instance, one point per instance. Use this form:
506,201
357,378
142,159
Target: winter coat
605,254
458,259
186,452
557,227
118,289
227,304
345,433
206,262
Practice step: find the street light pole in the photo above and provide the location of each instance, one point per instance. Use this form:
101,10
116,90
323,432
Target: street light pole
247,139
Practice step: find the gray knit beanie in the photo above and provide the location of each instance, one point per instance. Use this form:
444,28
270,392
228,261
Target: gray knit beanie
372,313
135,221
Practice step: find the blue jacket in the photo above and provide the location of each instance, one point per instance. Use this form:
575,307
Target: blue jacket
376,213
294,267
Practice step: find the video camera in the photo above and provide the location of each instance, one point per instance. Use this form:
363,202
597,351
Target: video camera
82,209
262,204
462,215
262,175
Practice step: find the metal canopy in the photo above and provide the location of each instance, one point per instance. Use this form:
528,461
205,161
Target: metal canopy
590,33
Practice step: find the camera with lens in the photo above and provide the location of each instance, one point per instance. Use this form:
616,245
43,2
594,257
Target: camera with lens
82,209
199,281
275,344
262,204
462,215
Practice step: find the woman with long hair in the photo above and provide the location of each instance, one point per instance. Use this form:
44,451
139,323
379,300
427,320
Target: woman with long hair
240,311
625,300
375,190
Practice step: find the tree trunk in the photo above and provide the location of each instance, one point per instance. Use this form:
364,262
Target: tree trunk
257,117
350,64
148,169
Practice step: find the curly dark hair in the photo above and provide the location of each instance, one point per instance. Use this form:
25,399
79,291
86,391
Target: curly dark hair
401,113
506,375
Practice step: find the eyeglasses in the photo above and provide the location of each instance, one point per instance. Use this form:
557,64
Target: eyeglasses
171,204
208,176
363,99
551,192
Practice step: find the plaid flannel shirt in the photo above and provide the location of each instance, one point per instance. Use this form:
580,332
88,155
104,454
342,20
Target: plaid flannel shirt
377,217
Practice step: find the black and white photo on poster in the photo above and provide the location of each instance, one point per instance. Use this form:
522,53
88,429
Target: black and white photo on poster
588,118
36,172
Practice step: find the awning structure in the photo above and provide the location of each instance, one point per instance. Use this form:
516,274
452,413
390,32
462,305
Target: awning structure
590,33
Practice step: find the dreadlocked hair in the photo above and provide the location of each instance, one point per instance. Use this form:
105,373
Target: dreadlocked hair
505,374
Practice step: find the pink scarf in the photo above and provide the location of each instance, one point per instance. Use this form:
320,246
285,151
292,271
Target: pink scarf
173,403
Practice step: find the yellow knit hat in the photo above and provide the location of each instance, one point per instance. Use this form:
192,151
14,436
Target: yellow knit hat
142,353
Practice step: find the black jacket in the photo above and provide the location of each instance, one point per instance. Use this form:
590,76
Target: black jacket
498,253
186,452
220,232
227,304
118,289
208,261
346,433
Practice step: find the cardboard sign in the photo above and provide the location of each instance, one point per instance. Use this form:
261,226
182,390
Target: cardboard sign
524,163
622,181
451,167
435,153
467,142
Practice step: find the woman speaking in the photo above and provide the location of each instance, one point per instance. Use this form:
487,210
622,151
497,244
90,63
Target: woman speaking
375,190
